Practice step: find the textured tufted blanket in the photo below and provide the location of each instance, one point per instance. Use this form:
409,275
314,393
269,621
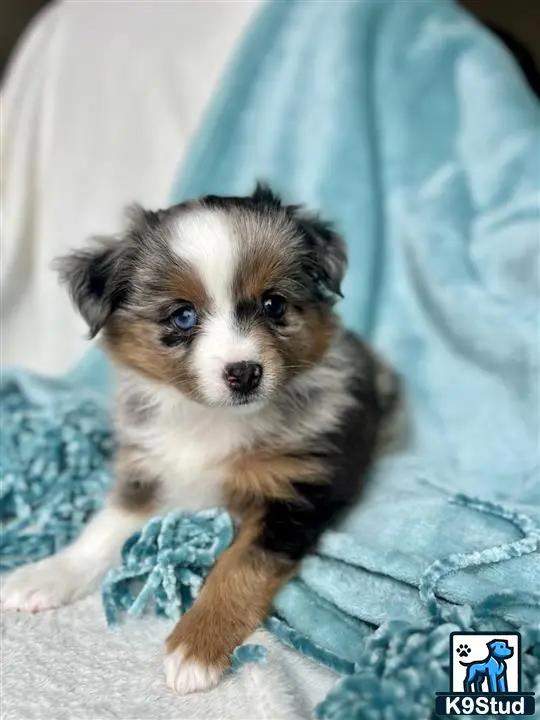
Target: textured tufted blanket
410,126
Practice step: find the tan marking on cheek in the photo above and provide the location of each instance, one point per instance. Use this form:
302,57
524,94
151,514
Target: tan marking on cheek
307,337
270,356
301,344
257,476
136,344
234,600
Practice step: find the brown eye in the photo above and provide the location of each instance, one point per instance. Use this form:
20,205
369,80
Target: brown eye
274,305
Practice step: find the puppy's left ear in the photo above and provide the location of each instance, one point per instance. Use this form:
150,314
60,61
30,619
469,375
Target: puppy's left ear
98,275
327,254
92,276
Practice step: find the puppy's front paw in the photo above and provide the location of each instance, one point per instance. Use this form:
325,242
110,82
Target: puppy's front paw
40,586
187,674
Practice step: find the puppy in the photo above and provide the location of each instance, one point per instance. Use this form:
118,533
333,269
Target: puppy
237,386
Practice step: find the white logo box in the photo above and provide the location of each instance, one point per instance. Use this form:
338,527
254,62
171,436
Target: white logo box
477,644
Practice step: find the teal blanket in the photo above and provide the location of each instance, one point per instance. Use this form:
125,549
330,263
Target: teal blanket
409,125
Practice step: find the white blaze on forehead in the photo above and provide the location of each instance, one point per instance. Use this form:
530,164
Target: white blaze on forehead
205,239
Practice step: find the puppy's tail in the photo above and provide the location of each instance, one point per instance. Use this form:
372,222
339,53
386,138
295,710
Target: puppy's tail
388,385
390,400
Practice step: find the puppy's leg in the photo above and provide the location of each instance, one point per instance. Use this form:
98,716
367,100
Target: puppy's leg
283,523
75,571
234,600
79,569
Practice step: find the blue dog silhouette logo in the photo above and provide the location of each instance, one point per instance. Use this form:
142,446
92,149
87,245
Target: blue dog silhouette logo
485,677
492,668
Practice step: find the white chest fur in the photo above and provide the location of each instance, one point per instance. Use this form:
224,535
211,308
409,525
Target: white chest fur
192,457
189,446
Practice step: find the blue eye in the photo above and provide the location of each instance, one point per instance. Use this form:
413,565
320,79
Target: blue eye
185,318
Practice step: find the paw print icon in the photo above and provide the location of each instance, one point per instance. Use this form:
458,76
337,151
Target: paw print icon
463,651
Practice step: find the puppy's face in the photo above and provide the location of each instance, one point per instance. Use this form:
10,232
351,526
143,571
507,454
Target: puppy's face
224,299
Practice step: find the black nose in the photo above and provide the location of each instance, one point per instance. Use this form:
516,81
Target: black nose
243,377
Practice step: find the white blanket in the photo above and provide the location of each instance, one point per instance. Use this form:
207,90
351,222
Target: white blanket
67,665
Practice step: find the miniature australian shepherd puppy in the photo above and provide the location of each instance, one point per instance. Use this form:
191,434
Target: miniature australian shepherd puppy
237,387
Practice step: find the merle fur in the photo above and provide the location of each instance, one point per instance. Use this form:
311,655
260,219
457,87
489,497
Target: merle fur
292,528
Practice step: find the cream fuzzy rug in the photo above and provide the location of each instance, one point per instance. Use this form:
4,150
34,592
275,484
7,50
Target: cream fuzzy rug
66,664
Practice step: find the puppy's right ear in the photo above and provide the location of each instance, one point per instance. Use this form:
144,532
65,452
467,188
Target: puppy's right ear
96,280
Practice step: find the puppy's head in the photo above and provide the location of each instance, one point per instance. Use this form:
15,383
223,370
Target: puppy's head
225,299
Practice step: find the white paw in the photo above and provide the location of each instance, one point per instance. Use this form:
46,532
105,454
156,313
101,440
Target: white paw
187,676
43,585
